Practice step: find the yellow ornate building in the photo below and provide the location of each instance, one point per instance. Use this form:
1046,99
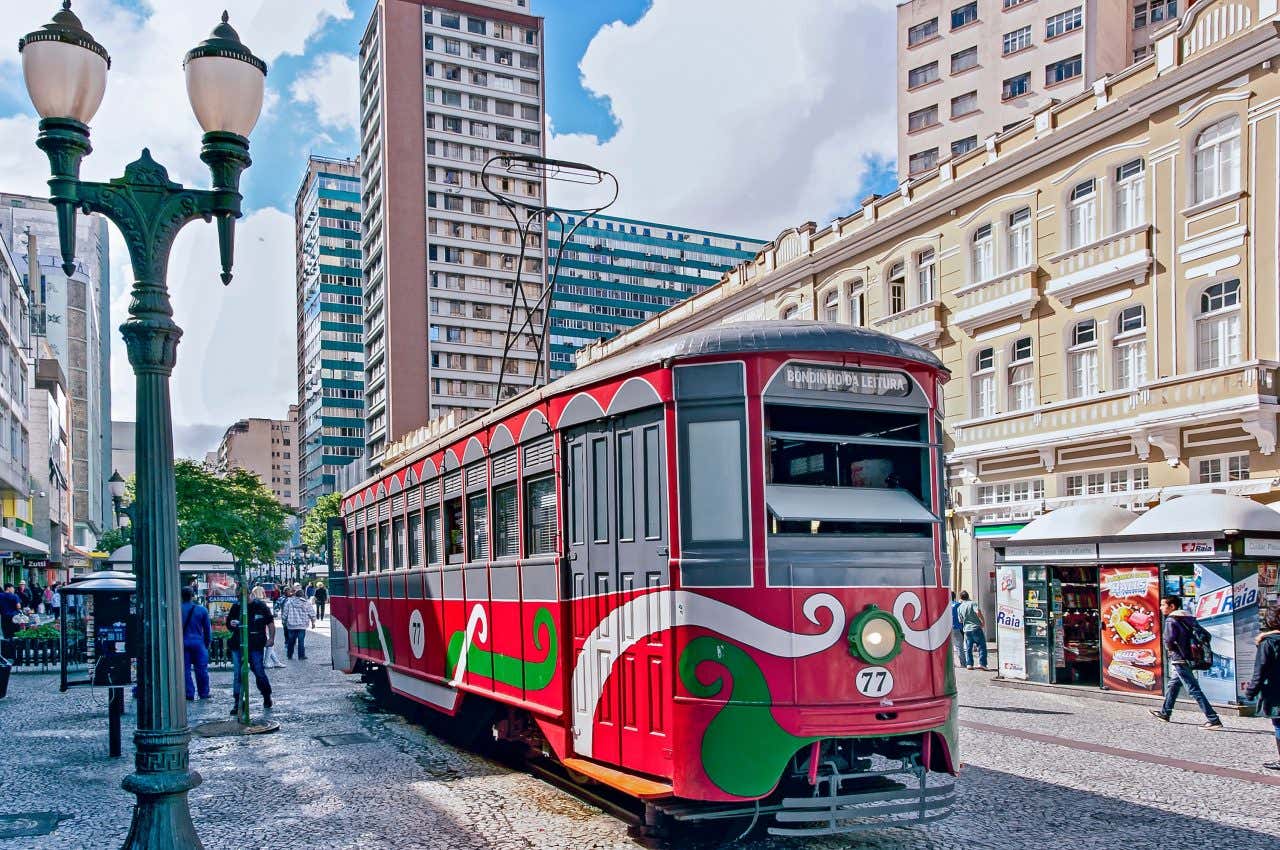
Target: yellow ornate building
1101,279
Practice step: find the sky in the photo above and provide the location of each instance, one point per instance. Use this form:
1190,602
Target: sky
738,116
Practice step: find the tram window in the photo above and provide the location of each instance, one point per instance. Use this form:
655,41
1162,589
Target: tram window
478,526
415,540
453,530
384,554
506,522
433,535
540,515
359,546
600,490
371,534
715,469
397,539
652,484
626,487
577,491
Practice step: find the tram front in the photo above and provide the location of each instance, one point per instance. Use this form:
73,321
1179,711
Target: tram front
813,621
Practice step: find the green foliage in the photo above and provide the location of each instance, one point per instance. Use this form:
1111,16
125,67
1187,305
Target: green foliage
236,512
47,631
313,528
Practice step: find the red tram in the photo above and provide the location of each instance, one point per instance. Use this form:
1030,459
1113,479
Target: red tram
707,571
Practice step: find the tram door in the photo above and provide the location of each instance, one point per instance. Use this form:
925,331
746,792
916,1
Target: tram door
616,500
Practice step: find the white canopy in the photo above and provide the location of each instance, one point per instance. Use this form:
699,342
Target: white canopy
1076,522
1211,513
848,504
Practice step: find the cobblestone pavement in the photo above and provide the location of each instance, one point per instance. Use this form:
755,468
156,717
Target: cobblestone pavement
403,788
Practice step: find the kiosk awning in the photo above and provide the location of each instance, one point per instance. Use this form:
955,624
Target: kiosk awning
848,504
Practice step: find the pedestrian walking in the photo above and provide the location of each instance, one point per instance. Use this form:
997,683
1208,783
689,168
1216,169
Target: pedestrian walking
1265,685
197,637
262,633
321,599
311,590
24,594
298,615
972,623
957,629
55,599
1179,627
10,606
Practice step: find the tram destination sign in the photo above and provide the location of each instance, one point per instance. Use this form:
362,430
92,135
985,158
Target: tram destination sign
843,380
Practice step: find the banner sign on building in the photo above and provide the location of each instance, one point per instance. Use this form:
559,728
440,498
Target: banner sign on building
1129,603
1011,635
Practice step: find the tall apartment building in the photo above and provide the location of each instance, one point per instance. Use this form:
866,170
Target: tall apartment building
266,447
444,86
617,272
1102,284
970,68
330,310
77,323
49,424
17,529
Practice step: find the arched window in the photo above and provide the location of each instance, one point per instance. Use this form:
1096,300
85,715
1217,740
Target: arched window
1130,207
1083,214
792,312
831,306
983,254
984,383
1131,348
897,288
1082,360
857,303
1022,390
1217,160
926,277
1020,255
1218,326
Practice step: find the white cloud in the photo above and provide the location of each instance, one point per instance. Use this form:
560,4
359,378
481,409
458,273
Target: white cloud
332,86
742,116
237,357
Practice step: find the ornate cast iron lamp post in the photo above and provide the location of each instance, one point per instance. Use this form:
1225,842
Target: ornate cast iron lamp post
66,75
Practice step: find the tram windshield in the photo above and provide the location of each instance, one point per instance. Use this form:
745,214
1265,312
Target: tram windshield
848,472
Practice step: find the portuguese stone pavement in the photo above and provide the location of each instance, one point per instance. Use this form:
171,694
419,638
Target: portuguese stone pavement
1043,770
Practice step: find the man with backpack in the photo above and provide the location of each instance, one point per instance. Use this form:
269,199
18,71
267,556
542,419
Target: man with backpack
1187,644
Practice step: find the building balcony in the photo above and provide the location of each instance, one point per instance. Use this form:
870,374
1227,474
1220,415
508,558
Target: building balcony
1242,397
921,324
1124,257
1013,294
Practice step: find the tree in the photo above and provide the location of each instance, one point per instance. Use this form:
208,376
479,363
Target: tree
236,512
315,527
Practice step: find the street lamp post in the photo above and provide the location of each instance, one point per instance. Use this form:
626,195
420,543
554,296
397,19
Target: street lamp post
65,72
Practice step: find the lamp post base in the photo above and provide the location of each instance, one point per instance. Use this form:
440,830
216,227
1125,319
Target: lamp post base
162,819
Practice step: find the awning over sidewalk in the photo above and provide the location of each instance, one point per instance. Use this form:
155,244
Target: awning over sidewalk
16,541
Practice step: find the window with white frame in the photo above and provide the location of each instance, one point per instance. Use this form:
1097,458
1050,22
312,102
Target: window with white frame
897,288
1124,480
1022,390
1020,238
1010,491
1085,484
1113,481
984,265
1215,470
1082,359
1130,209
792,312
1131,348
1083,212
926,276
857,304
1019,39
1217,160
984,383
1063,23
831,306
1218,326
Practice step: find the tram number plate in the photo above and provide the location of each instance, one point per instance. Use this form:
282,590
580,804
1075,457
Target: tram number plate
417,634
874,681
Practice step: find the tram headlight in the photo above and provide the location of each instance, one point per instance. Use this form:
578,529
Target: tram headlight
875,636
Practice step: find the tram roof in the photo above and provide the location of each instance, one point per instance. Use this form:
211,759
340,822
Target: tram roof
793,335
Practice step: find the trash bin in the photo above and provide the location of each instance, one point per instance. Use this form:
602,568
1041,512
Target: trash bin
5,669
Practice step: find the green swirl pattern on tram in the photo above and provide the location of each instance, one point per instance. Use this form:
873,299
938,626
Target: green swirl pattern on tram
507,669
368,640
744,750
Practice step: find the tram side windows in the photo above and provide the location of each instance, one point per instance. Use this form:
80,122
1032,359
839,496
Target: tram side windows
540,516
371,538
415,539
711,429
433,535
478,527
398,543
453,531
384,554
576,494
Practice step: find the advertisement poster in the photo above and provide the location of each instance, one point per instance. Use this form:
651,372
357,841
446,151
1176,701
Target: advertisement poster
1130,609
1011,636
1217,600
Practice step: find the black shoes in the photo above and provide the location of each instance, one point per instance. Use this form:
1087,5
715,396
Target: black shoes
266,700
1159,715
235,709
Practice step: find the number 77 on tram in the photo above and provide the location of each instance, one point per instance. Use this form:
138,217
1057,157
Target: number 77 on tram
709,571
